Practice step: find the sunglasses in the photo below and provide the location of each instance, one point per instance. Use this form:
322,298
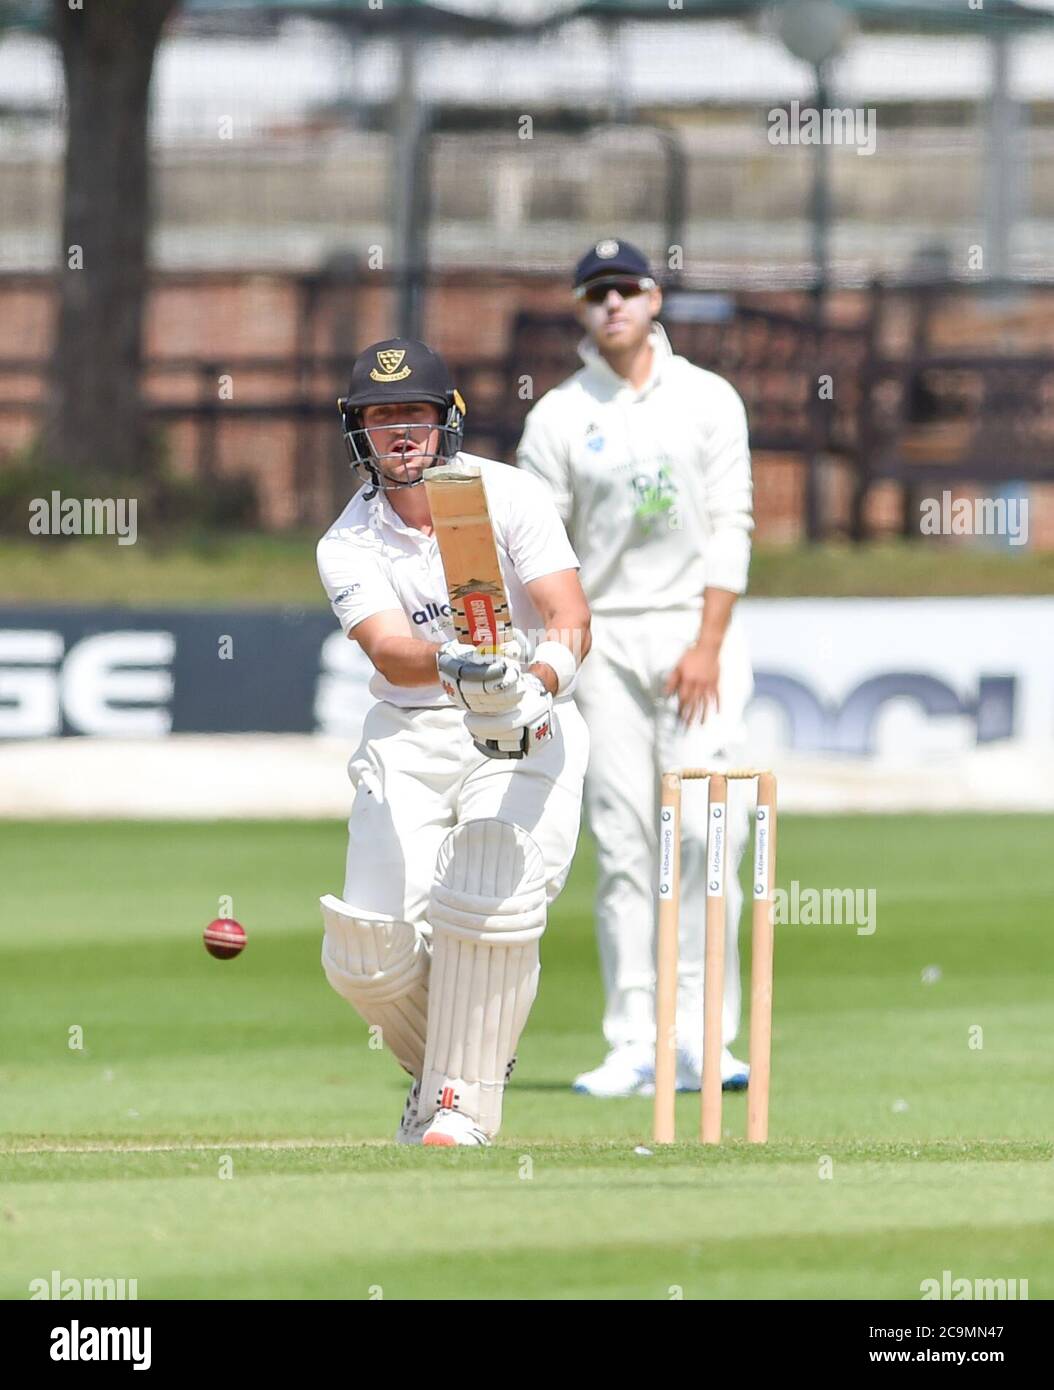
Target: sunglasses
596,291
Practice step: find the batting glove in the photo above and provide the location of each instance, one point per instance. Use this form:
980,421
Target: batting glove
518,731
480,684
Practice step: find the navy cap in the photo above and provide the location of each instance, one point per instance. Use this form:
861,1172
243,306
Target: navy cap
611,257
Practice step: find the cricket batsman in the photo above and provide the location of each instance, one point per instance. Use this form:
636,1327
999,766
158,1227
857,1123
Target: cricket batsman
468,779
647,459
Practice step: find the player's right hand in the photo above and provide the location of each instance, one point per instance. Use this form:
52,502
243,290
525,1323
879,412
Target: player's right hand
477,683
694,680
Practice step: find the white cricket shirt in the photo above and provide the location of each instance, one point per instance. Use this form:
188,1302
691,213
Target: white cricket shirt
653,485
370,561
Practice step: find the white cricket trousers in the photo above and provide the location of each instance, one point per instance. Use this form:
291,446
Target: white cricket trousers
417,774
635,736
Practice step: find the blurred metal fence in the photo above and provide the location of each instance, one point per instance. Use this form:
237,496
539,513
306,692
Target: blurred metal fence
281,236
937,384
277,145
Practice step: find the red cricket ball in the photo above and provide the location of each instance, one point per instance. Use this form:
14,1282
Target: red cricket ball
224,938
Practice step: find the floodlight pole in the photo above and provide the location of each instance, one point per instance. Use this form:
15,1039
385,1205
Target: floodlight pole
814,31
1003,162
821,225
821,190
410,130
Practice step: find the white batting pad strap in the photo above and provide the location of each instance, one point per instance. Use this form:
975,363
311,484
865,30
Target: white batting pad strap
486,880
380,954
487,912
474,918
380,965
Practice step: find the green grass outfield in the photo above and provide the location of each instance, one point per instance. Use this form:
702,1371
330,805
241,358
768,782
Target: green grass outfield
280,569
941,1155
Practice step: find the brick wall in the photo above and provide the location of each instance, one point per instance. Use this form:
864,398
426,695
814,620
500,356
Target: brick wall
299,466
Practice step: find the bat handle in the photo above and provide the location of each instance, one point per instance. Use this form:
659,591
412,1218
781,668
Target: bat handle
511,647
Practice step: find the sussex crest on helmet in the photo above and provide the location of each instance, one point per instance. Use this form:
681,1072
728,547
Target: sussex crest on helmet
389,360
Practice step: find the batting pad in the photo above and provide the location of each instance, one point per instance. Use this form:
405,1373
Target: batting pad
380,966
487,911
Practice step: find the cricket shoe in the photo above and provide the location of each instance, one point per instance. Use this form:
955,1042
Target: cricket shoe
449,1128
735,1075
625,1071
411,1127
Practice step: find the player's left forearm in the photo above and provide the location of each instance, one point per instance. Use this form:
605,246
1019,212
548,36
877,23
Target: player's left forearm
571,629
717,614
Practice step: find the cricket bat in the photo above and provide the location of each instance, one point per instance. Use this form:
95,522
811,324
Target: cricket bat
465,535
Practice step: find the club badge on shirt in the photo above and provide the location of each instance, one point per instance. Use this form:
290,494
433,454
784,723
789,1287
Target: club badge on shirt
656,498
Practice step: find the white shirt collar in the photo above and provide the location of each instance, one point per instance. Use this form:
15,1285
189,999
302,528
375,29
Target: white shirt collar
662,352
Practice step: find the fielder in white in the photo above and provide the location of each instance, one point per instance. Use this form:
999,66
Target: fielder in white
648,461
468,780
